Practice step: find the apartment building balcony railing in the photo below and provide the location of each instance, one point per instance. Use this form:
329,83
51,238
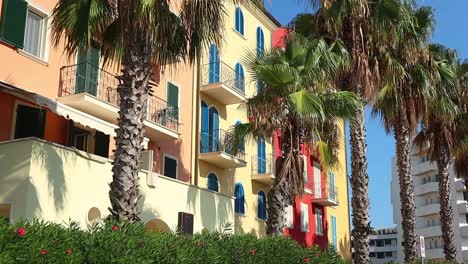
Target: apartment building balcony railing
430,231
424,167
325,195
94,91
428,209
263,168
222,83
217,147
428,187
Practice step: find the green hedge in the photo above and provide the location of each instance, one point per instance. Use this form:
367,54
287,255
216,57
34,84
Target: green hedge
112,242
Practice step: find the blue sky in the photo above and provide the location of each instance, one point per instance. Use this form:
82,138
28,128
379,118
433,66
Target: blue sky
451,30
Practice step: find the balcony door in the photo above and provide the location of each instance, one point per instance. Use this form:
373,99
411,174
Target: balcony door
261,156
87,71
317,180
209,129
214,64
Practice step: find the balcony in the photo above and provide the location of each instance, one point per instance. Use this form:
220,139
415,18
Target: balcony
426,188
222,83
435,253
429,209
217,148
263,169
57,183
94,91
325,195
430,231
424,167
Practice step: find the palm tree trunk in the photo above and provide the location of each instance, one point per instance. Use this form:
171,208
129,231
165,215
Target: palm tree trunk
133,91
359,186
278,199
446,210
408,214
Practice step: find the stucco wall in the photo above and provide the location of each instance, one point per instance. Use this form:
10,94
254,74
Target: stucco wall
55,183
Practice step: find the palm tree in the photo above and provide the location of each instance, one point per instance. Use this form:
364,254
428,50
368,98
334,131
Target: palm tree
461,137
438,135
136,35
297,101
407,87
359,23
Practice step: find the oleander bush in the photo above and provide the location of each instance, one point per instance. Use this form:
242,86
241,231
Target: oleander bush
116,242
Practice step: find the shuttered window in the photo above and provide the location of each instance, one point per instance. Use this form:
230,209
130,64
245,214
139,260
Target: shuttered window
34,37
170,167
212,182
261,206
239,206
304,217
239,21
14,14
334,232
173,100
318,222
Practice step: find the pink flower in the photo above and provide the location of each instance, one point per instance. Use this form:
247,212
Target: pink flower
21,231
306,260
44,252
69,251
115,228
252,252
251,119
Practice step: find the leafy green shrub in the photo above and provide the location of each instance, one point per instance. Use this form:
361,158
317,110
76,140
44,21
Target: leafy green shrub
116,242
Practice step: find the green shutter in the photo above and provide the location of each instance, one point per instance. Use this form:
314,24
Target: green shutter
87,71
173,100
14,22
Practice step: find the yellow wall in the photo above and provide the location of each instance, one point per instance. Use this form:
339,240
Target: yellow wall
234,49
341,212
55,183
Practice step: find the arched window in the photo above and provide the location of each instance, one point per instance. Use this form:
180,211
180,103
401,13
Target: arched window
240,199
214,64
212,182
239,21
260,41
261,206
240,80
214,129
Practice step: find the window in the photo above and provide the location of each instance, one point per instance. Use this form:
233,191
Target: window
465,196
318,222
30,122
5,211
239,21
317,180
304,217
380,255
170,167
209,141
261,159
24,27
388,241
389,254
380,243
240,80
372,242
260,41
332,186
80,139
372,254
172,101
34,36
212,182
334,232
466,218
290,216
214,65
305,173
239,205
261,206
87,70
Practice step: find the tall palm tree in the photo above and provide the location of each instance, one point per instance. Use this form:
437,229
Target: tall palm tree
359,23
297,100
407,87
437,134
135,34
461,137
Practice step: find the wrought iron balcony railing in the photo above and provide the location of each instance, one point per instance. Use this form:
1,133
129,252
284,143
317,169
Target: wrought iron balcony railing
263,165
220,72
92,80
219,140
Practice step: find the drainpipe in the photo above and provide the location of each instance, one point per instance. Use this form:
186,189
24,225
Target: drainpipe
197,118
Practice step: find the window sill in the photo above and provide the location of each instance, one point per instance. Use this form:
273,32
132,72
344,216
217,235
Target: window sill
319,234
241,215
239,34
304,231
33,57
261,220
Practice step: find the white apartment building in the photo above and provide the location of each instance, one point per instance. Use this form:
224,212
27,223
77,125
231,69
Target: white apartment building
383,246
426,196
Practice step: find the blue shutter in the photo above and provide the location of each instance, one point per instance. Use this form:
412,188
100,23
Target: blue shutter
242,147
239,21
240,199
214,129
205,128
334,235
260,41
213,182
332,186
214,64
240,81
261,156
261,209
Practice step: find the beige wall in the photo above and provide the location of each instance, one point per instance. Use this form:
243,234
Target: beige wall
55,183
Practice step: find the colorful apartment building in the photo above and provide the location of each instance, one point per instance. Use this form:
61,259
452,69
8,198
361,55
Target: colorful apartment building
58,116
